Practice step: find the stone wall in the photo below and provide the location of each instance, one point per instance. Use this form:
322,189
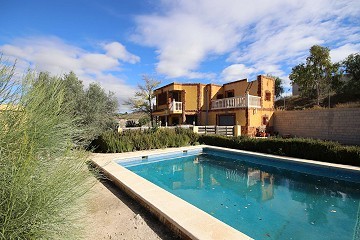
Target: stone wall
337,124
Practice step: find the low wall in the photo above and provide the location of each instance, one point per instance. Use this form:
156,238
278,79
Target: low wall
337,124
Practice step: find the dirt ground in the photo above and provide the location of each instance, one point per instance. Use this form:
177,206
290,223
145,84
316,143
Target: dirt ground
114,215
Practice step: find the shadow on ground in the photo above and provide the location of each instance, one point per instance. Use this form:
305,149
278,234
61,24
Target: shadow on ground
158,227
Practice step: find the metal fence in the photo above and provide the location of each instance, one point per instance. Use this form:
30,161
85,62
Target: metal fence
213,129
219,130
146,128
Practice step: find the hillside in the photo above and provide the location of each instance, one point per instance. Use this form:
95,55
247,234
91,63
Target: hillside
131,115
336,100
123,118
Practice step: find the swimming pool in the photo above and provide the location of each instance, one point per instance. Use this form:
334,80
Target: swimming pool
265,198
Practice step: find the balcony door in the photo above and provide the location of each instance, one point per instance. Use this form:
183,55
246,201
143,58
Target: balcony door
229,94
176,95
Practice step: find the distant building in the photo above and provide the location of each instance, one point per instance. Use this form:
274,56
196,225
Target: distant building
249,104
295,89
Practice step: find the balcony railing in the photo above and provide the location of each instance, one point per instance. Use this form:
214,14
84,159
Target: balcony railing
176,107
237,102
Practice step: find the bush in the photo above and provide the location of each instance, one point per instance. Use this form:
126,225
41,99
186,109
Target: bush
92,107
144,121
42,177
319,150
135,140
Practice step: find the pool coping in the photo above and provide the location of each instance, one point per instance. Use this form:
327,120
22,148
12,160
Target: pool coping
290,159
188,221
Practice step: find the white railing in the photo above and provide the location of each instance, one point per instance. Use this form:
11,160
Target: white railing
253,101
237,102
176,106
234,102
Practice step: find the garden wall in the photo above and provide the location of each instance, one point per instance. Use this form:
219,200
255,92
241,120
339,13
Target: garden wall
336,124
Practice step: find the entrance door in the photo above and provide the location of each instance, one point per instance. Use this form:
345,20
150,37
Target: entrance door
175,121
226,120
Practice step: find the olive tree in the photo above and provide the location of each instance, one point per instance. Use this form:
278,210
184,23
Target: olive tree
97,111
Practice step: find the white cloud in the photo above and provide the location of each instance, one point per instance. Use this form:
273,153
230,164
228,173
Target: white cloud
342,52
114,84
237,72
96,62
264,35
117,50
57,57
182,40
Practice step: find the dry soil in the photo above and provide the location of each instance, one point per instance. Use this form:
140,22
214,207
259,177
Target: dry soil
111,214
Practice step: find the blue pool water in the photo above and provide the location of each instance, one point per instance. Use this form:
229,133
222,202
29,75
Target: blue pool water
264,201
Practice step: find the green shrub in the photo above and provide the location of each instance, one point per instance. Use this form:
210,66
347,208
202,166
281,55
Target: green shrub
319,150
42,176
135,140
144,121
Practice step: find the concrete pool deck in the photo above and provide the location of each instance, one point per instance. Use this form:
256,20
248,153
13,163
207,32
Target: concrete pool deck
183,218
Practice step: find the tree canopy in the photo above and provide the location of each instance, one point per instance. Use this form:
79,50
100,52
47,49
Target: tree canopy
92,109
143,100
351,67
279,89
318,75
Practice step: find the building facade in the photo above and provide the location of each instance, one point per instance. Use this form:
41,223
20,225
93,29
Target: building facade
249,104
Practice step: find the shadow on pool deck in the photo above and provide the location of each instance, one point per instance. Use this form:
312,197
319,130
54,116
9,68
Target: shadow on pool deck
158,227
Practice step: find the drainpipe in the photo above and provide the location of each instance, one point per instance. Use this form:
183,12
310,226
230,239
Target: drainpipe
183,106
207,106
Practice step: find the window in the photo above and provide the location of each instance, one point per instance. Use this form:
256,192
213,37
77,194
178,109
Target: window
229,94
267,96
161,99
220,96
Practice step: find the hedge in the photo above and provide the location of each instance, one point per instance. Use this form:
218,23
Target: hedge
135,140
312,149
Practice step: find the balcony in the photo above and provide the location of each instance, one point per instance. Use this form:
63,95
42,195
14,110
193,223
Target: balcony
175,107
247,101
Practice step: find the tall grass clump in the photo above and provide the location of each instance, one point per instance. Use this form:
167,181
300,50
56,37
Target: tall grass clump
135,140
314,149
42,175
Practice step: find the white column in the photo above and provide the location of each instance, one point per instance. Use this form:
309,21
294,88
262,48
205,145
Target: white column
247,99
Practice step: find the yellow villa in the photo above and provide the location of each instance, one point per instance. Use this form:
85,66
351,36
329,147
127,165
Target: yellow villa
244,103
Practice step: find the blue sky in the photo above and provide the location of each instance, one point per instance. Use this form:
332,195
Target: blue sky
115,42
